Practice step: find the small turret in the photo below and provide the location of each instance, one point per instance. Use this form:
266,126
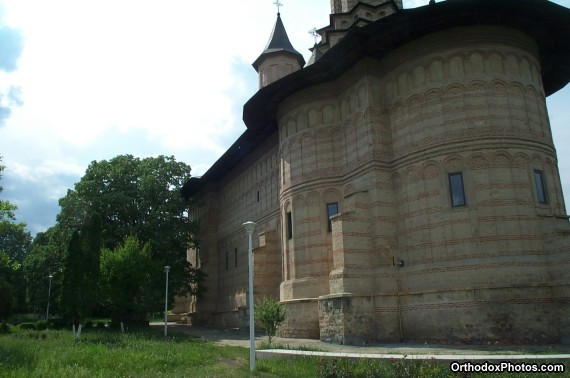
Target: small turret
316,54
344,6
279,58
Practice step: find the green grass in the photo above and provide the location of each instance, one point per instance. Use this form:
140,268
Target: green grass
146,353
106,354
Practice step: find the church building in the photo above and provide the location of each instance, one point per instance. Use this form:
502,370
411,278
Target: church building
404,180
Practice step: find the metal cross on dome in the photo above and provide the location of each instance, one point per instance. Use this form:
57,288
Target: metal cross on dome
278,4
315,35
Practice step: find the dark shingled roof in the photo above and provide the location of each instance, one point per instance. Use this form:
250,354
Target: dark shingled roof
314,56
279,42
546,22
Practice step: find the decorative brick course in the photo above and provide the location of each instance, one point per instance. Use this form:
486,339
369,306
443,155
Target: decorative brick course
401,263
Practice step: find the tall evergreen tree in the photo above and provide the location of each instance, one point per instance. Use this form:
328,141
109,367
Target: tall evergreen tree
81,272
125,280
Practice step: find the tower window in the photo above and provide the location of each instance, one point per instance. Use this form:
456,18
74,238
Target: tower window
258,196
540,184
289,226
227,260
235,257
456,189
332,210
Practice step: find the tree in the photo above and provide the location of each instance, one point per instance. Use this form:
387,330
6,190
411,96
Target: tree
269,315
81,272
139,197
46,257
125,275
15,241
7,290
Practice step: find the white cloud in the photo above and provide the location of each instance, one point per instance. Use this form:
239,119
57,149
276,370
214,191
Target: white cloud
107,77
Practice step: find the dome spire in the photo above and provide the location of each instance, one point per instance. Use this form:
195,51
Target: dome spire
279,52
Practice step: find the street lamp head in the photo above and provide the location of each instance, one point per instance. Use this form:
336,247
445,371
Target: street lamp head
249,226
166,268
50,276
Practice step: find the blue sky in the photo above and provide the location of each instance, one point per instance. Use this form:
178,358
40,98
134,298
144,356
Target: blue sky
84,80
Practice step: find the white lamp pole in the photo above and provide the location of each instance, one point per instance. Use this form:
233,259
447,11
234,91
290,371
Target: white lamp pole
49,295
166,269
249,227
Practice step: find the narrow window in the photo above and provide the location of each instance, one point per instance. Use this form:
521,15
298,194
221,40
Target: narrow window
258,196
235,257
540,186
456,189
289,226
332,210
227,261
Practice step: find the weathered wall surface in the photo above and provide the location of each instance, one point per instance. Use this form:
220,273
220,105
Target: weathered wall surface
249,192
383,138
381,141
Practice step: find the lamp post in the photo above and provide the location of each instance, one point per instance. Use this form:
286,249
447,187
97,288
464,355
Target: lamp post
249,227
49,295
166,269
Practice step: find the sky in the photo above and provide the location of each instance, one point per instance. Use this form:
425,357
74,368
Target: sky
85,80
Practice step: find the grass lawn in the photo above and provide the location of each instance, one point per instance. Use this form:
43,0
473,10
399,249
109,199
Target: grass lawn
104,353
146,353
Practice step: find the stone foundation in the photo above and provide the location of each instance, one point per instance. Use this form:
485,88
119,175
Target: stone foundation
522,315
302,320
357,320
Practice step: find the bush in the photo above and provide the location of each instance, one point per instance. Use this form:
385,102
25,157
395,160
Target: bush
28,326
41,325
7,299
4,328
269,315
59,324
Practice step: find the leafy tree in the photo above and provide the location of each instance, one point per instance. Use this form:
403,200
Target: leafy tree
81,272
7,290
269,315
15,241
139,197
125,275
46,256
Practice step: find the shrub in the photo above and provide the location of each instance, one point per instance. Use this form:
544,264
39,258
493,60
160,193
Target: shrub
269,315
59,324
41,325
4,328
24,326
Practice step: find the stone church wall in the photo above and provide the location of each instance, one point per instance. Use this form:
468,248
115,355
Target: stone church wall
382,140
249,192
400,261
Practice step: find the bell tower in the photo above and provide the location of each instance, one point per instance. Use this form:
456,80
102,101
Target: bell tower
279,58
344,6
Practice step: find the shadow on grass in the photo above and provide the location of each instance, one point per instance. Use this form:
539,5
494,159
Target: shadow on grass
15,357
